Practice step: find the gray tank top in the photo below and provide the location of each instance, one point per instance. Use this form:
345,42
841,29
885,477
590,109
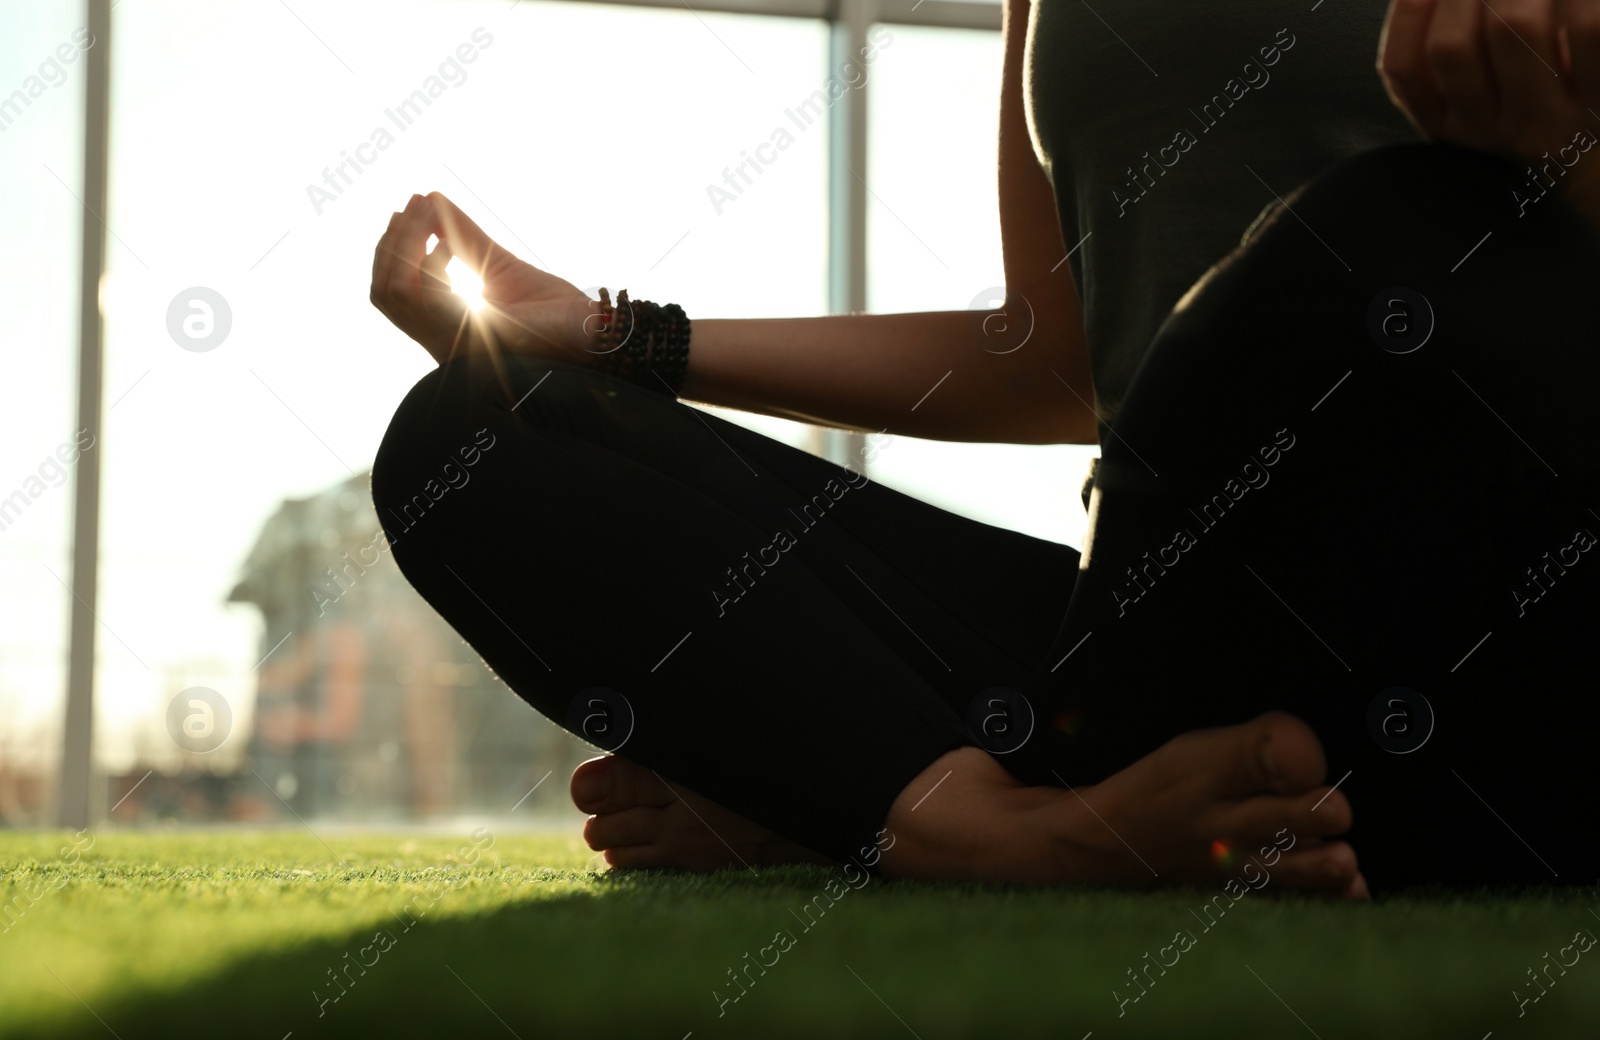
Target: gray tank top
1166,127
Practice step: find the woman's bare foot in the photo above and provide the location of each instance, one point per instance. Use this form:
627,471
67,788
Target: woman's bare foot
966,818
1194,811
640,820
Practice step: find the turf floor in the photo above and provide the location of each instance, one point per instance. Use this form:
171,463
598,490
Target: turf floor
277,933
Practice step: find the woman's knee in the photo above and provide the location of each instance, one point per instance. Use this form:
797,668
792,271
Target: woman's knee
1388,252
448,422
418,453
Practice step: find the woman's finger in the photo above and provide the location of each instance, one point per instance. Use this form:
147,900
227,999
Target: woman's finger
382,262
1583,42
1521,39
1459,57
438,302
410,246
1403,63
465,237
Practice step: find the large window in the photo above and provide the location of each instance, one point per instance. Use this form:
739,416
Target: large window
256,153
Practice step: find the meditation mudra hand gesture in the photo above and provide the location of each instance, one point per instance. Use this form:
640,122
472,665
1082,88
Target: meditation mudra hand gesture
525,310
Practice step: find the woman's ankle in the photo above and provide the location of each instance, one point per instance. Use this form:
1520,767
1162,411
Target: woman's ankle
965,818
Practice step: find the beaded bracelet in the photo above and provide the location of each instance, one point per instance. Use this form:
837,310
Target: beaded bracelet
643,342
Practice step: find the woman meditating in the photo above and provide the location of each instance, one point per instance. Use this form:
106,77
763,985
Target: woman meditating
1337,594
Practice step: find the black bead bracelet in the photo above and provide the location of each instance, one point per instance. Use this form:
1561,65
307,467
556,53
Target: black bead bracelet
643,342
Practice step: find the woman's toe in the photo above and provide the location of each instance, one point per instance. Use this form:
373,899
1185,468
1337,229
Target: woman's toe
611,784
641,825
1274,818
1274,753
592,783
639,857
1327,865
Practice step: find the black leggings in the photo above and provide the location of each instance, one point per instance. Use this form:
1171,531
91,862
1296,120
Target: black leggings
1352,480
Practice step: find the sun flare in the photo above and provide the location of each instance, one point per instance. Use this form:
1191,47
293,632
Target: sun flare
465,283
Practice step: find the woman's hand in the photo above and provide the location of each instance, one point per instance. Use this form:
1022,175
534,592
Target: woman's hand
1520,78
525,309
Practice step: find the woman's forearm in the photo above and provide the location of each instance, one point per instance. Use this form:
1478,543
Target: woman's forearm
944,375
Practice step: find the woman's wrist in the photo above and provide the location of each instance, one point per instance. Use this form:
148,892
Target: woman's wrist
638,340
572,337
583,328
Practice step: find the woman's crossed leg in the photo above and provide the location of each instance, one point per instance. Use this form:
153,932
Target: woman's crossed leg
790,660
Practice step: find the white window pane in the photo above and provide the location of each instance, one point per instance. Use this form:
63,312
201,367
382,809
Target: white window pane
41,143
934,244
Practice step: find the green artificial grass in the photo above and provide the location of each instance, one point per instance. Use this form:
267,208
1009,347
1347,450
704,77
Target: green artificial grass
267,934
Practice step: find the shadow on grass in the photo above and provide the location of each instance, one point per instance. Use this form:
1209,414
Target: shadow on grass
654,955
